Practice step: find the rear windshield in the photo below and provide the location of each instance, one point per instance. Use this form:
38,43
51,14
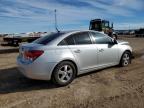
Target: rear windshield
48,38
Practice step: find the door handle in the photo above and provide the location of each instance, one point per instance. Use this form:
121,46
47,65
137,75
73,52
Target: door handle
77,51
101,50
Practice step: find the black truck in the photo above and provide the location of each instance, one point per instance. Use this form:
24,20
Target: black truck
102,26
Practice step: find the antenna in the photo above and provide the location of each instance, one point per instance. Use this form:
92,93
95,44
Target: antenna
56,26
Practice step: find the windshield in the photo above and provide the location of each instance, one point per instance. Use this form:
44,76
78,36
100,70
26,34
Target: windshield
48,38
96,26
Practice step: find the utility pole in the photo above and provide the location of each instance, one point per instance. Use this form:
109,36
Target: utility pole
56,26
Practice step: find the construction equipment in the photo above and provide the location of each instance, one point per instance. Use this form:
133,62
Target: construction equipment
103,26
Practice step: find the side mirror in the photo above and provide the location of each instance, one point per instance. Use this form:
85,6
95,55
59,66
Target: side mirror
113,42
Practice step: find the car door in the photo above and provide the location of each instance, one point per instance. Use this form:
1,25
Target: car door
83,50
107,50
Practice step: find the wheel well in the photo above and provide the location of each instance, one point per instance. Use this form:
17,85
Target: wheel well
126,51
129,52
71,62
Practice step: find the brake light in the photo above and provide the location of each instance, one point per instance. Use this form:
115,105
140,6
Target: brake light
32,55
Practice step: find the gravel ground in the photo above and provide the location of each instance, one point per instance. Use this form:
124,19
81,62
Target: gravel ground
115,87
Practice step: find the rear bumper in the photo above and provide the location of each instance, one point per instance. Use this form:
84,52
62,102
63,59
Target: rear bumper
36,70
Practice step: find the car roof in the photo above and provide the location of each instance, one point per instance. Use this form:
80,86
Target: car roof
75,31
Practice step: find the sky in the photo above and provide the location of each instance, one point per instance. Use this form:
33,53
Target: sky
19,16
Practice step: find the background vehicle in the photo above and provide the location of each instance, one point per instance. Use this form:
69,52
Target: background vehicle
102,26
15,39
63,55
140,32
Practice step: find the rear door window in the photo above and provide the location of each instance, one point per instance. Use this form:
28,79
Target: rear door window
82,38
70,40
79,39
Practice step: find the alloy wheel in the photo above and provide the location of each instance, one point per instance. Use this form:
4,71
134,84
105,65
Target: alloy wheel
126,59
65,73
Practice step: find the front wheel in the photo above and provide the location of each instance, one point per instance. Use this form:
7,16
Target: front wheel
126,59
64,73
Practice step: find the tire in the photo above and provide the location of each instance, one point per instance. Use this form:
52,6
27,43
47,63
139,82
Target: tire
125,59
64,73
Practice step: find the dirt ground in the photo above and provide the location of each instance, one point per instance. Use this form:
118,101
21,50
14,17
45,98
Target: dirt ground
1,39
114,87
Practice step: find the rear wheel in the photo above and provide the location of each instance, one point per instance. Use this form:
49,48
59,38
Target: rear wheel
64,73
126,59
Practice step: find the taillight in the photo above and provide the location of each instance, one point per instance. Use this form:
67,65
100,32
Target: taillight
33,54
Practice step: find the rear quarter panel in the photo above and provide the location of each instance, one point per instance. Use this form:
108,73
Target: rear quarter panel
57,54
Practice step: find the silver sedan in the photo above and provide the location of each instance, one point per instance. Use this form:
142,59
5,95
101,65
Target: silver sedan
62,56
